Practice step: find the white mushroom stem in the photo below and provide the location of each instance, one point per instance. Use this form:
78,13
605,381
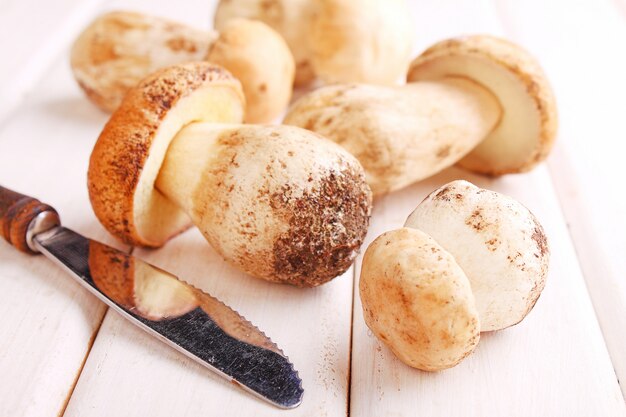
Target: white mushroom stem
186,160
401,134
451,117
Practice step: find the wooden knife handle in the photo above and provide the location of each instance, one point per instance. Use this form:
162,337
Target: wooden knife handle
17,212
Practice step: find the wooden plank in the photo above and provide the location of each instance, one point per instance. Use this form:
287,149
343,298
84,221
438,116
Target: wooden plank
554,363
130,373
587,168
48,321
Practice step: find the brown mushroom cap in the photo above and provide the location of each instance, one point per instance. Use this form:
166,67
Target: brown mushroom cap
527,129
418,301
128,155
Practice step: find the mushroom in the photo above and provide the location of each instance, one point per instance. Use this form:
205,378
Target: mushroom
119,49
417,300
466,260
478,101
336,40
278,202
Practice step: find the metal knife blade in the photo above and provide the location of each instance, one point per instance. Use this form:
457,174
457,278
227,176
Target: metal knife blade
191,321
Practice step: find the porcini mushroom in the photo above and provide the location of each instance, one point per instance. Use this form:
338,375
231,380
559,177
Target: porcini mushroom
478,101
467,260
418,301
118,49
336,40
497,242
278,202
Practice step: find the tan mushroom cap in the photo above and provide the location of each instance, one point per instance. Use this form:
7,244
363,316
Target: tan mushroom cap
120,48
129,153
363,41
290,18
497,242
527,129
418,301
261,60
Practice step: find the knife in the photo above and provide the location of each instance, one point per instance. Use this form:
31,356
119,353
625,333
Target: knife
189,320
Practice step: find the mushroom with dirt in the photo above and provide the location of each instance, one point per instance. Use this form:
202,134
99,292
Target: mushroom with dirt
479,101
467,260
336,40
278,202
118,49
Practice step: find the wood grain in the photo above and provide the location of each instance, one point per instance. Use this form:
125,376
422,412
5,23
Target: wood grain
48,321
554,363
310,325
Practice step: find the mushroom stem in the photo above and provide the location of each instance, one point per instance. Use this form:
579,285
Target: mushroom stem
452,116
402,134
187,158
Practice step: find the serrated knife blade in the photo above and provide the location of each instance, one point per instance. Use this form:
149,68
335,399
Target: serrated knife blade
184,317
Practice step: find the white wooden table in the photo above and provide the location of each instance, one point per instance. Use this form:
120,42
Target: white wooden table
63,353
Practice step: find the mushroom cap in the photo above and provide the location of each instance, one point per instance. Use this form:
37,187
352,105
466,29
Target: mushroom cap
258,57
365,41
527,129
118,49
282,203
290,18
418,301
129,153
497,242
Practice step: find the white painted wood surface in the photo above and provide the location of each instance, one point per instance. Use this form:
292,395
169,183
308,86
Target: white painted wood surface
554,363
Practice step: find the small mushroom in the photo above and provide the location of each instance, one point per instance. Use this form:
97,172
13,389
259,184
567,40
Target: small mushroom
336,40
119,49
468,260
418,301
478,101
278,202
